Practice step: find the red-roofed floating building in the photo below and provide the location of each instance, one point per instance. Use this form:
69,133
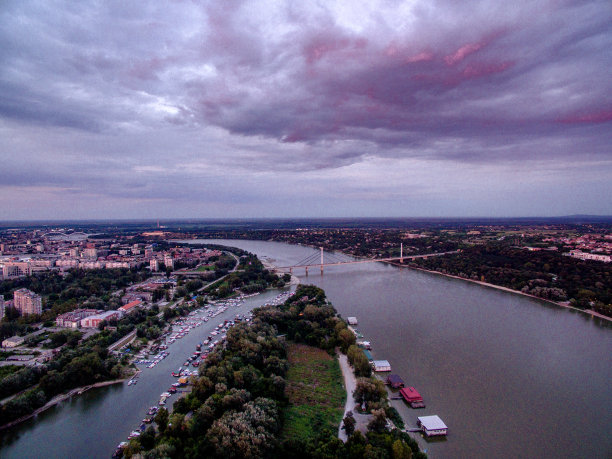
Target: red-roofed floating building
412,397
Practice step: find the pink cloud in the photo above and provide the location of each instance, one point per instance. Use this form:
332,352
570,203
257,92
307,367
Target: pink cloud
421,57
320,47
602,116
483,69
462,53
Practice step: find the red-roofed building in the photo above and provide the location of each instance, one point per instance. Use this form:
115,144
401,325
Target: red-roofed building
412,397
130,306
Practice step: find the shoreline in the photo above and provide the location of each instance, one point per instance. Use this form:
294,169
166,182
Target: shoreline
506,289
272,267
589,312
60,398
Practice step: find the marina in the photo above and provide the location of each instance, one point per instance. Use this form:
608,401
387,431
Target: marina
180,328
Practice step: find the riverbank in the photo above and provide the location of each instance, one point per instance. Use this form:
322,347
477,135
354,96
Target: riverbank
350,384
60,398
270,266
506,289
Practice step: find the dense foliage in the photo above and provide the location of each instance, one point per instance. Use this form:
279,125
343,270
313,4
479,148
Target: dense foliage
234,409
250,277
546,274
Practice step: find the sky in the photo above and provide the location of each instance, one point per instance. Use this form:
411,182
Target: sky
215,109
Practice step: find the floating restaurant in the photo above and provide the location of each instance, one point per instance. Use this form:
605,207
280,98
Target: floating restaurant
432,425
412,397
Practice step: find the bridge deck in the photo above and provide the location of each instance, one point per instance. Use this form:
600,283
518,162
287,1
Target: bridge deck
369,260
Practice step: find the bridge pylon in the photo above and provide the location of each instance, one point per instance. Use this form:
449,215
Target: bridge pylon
321,259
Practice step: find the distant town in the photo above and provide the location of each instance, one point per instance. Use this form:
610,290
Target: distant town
30,251
88,305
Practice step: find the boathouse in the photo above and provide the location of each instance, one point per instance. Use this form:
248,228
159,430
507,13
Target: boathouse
368,355
352,320
432,425
395,381
381,365
412,397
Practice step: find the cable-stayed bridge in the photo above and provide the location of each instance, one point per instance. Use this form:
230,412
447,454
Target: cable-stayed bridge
317,260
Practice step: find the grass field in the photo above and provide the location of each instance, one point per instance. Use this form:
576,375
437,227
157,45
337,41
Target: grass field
315,392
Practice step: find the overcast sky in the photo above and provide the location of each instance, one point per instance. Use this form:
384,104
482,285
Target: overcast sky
170,109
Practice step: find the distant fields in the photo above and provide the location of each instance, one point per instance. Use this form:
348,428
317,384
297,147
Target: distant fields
315,392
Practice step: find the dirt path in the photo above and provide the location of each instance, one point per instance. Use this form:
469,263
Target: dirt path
350,383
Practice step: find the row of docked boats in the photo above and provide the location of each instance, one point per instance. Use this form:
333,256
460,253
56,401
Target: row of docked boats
429,425
182,327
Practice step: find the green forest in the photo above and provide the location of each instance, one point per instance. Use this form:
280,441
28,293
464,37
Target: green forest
238,403
545,274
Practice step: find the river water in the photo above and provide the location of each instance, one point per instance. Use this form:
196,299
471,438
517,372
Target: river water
91,425
510,376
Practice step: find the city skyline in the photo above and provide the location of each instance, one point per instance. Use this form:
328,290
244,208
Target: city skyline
271,109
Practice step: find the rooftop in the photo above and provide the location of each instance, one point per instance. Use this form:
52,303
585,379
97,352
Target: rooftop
432,422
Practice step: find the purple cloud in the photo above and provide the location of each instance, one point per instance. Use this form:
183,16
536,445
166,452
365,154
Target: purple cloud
287,88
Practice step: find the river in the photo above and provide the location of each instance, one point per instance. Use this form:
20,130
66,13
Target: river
91,425
509,375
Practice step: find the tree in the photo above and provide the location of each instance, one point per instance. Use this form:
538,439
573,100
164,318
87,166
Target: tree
349,424
346,339
400,450
368,391
379,421
161,419
147,438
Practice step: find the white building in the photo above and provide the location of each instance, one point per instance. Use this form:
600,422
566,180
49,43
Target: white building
381,365
67,263
12,269
94,321
590,256
432,425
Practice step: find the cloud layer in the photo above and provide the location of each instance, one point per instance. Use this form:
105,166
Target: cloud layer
193,108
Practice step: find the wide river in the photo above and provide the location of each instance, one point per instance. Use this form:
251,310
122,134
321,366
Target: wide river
510,376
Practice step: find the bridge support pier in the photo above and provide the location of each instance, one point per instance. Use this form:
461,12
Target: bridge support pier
402,252
307,270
